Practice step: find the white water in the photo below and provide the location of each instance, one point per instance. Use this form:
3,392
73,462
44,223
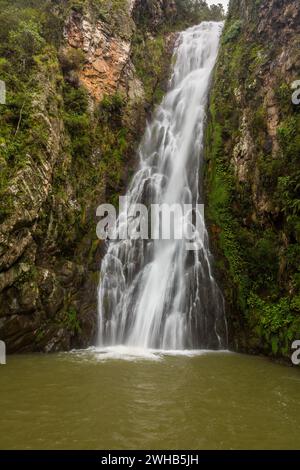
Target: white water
135,354
155,294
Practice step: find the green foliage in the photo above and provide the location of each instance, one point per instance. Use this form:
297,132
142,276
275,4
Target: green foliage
271,317
289,137
32,20
75,100
219,208
25,54
77,120
278,324
232,31
288,187
71,321
111,109
185,14
152,64
289,190
24,43
262,254
113,147
71,60
259,119
194,11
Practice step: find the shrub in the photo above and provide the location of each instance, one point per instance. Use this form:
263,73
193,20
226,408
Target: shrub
25,43
71,60
232,32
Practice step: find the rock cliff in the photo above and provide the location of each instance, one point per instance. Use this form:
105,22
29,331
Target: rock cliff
253,173
81,77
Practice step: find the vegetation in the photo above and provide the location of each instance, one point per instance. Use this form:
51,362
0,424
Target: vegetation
152,62
187,13
232,31
194,11
255,217
71,321
27,50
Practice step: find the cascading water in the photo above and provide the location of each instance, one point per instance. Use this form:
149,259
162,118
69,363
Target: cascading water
155,293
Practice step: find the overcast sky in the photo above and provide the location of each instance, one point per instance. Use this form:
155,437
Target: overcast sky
224,2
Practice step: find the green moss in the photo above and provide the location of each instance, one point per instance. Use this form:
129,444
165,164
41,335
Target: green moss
70,320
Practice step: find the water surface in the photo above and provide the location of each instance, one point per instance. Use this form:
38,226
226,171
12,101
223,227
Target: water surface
86,400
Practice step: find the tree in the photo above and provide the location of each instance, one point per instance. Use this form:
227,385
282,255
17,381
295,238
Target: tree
25,43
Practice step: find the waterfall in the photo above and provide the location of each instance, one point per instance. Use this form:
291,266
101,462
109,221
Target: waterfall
155,293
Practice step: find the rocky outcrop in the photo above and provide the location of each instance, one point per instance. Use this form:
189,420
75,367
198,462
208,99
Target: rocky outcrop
107,63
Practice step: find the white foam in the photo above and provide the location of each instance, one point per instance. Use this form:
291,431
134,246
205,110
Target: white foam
128,353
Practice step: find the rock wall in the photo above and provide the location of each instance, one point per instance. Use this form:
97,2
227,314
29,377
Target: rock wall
107,65
49,254
253,173
81,79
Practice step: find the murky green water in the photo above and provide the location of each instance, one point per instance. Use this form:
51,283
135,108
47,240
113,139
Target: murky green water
213,401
